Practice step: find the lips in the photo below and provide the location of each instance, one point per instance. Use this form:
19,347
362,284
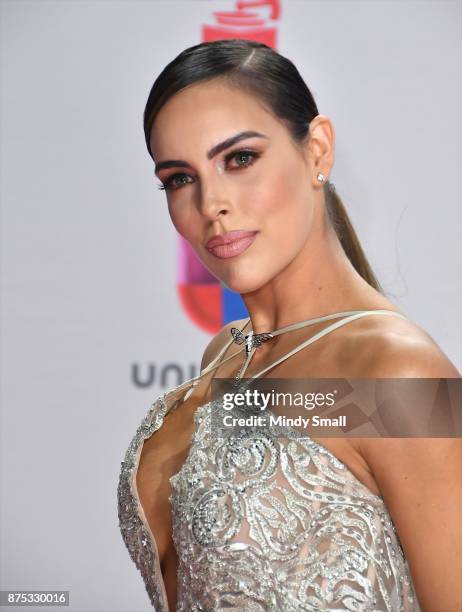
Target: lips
230,244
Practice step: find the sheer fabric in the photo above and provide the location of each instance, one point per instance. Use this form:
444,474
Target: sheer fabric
265,522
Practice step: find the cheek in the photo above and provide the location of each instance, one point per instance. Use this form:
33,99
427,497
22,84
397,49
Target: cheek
283,203
183,218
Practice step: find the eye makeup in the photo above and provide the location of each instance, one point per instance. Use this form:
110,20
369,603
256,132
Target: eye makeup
251,153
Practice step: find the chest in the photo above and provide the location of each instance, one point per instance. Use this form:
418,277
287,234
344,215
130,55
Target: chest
162,456
164,453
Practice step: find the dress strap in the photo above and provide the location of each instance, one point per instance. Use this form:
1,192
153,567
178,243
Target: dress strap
300,324
353,314
327,330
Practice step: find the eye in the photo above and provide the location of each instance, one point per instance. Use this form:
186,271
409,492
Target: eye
170,184
166,184
253,155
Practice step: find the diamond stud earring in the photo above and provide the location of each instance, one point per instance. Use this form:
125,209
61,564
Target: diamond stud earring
321,178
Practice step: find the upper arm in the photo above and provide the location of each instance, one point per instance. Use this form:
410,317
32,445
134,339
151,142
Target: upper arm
420,480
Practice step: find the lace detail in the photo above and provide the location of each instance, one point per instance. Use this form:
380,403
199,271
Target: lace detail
266,522
135,531
263,522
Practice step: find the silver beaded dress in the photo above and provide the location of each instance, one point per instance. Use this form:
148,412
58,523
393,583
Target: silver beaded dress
264,522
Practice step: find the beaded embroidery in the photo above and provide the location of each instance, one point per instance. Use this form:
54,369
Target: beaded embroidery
266,523
135,533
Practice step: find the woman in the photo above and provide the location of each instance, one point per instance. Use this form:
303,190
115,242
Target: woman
244,156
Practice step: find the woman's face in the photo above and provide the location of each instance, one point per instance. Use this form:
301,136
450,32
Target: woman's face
260,184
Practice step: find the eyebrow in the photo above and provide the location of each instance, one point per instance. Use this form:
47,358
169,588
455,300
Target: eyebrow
215,150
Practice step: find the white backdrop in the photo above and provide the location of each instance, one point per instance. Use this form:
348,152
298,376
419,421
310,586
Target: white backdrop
88,252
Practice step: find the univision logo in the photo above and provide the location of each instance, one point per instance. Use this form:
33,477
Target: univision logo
207,301
167,375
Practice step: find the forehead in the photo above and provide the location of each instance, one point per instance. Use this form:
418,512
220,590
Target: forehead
203,114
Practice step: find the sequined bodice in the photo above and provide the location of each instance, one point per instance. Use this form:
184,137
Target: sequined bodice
264,521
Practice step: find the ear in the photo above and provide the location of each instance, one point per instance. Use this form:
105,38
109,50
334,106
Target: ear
321,145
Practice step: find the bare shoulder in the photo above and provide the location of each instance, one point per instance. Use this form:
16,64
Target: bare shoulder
219,341
418,478
392,347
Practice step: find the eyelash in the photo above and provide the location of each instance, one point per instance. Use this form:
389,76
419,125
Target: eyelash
165,184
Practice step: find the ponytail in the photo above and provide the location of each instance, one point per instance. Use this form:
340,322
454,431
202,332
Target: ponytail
347,236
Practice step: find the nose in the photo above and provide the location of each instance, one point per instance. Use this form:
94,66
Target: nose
213,201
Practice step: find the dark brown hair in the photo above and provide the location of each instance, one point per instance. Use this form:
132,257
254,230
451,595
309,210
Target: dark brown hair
264,72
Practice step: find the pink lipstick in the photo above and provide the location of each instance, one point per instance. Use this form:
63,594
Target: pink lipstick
230,244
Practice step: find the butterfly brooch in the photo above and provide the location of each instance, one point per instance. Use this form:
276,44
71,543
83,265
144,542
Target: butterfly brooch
250,340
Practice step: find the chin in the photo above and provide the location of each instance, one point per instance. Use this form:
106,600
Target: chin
245,283
242,276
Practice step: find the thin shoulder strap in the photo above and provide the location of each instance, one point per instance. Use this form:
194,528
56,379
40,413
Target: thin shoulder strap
215,362
327,330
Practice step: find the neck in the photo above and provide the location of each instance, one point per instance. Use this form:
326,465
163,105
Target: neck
319,281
